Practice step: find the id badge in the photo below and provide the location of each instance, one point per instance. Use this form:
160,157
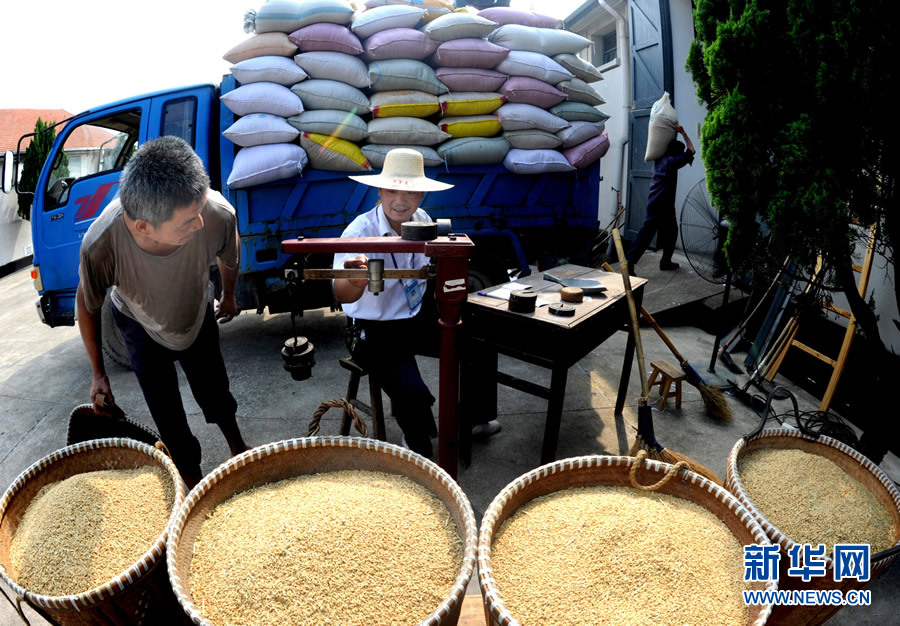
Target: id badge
413,295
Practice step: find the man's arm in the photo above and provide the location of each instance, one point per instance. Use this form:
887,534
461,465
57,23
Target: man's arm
347,290
227,308
89,326
687,140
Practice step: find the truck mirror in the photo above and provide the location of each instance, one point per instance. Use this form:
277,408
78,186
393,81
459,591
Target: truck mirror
9,172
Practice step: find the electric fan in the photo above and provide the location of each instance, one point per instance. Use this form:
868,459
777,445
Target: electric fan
703,234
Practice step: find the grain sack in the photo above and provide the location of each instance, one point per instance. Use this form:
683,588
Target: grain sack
474,151
266,163
526,90
466,78
259,128
534,65
331,94
578,111
330,153
522,116
268,69
547,41
532,139
661,130
587,152
398,74
326,37
470,103
458,25
376,153
505,15
334,66
579,91
404,103
369,22
579,132
521,161
405,130
267,44
399,43
442,5
470,126
331,122
579,67
286,16
468,52
263,98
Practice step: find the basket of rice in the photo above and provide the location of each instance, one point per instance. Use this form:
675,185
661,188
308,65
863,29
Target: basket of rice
319,530
585,540
83,534
814,490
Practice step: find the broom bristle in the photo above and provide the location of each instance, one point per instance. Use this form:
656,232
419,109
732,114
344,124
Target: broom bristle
715,401
667,456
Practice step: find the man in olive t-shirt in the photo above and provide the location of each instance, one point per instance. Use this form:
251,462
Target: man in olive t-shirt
153,246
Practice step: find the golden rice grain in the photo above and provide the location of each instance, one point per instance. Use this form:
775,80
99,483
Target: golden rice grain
81,532
812,500
350,547
610,555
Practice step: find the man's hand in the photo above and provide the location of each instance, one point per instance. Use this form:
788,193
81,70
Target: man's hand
100,385
226,309
358,262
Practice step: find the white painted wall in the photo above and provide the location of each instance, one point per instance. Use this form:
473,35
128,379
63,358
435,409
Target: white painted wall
15,233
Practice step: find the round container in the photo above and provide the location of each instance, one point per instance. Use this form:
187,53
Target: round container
852,462
139,595
613,471
311,455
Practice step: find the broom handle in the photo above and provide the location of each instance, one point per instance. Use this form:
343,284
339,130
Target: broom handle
635,327
649,318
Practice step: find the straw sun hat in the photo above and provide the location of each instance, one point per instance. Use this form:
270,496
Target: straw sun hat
403,170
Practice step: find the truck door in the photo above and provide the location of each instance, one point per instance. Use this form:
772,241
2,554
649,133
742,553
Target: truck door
82,177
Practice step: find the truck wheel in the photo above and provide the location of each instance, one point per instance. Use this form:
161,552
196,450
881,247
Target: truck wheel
113,345
486,270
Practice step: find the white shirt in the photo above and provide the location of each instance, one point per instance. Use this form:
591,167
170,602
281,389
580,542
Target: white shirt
390,304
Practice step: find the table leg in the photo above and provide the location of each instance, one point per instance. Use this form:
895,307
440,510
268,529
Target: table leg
478,392
626,374
554,413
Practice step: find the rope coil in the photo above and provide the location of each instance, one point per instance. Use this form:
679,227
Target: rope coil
639,459
340,403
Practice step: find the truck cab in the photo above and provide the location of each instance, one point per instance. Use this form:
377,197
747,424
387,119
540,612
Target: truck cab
81,177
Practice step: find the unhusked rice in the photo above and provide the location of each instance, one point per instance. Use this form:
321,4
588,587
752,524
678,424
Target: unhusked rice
80,532
349,547
611,555
812,500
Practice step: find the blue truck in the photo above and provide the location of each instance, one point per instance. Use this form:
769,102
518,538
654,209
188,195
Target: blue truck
514,220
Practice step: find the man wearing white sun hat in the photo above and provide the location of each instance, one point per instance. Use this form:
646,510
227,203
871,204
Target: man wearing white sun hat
391,328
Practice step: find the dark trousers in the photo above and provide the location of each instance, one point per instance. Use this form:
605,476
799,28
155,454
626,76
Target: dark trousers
660,221
154,366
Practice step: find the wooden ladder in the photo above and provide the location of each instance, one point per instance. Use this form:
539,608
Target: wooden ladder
789,334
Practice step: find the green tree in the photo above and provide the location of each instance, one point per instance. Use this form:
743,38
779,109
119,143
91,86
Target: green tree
35,155
798,139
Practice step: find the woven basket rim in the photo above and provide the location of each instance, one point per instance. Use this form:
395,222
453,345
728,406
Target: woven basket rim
136,570
494,602
735,484
287,445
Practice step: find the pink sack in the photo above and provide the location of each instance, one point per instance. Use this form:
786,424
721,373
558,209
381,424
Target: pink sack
326,37
586,153
531,91
506,15
399,43
470,78
468,52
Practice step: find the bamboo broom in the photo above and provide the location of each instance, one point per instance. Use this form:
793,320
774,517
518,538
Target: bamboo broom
713,399
646,438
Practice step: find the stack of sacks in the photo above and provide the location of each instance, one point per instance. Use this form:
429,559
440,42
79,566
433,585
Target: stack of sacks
499,86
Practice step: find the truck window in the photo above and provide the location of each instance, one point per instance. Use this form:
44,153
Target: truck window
92,148
179,117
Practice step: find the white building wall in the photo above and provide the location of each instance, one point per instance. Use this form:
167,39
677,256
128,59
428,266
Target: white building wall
15,233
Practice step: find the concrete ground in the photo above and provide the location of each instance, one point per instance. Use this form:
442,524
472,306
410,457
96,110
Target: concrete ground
44,373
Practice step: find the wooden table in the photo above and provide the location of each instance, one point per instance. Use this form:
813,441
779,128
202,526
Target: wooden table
547,340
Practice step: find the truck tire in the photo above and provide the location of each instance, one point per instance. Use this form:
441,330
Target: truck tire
486,270
113,346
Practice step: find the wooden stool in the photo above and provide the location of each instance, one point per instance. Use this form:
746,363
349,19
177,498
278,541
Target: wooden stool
374,409
667,374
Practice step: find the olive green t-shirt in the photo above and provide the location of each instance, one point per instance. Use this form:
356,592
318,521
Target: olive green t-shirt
167,295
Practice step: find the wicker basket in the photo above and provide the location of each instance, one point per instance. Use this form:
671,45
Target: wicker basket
139,595
613,471
296,457
852,462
